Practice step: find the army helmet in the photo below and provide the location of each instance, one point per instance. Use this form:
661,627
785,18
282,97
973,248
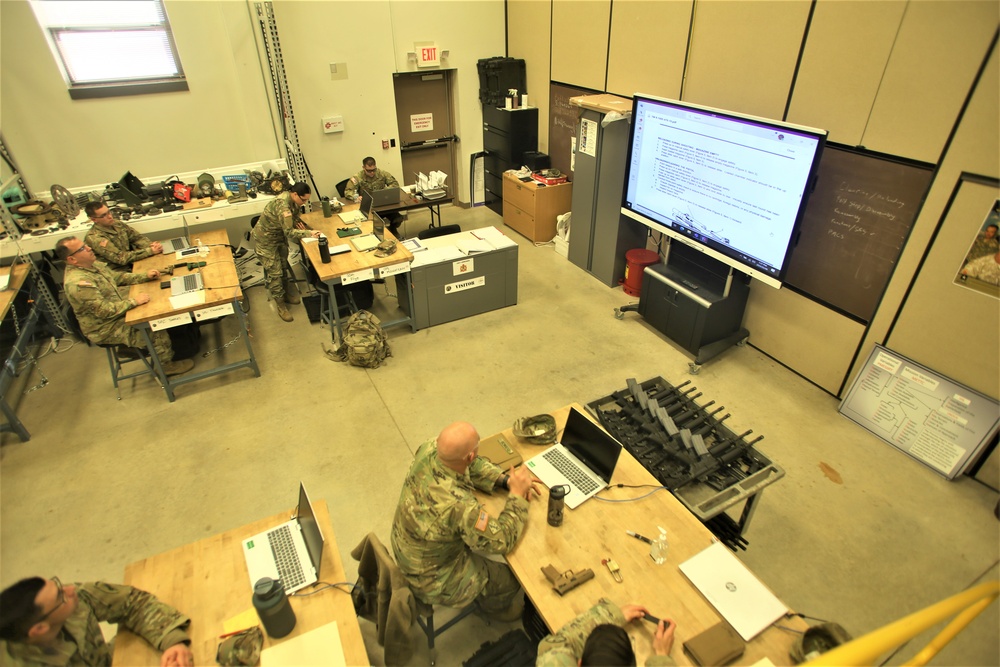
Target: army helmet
538,430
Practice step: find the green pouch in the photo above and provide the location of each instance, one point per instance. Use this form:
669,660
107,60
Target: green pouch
349,231
243,648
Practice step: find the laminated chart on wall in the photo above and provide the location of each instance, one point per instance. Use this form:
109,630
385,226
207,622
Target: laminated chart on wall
934,419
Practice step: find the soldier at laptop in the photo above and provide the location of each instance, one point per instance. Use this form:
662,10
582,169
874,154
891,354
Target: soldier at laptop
99,298
278,226
372,178
43,622
439,522
115,243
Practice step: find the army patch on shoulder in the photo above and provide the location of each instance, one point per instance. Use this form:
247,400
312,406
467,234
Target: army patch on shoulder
104,243
483,521
287,214
494,526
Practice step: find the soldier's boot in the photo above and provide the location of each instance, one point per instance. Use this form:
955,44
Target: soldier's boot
283,312
178,367
291,292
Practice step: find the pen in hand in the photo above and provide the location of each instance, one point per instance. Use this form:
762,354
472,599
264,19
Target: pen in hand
639,537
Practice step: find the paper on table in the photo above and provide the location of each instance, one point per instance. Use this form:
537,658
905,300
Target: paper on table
469,247
189,299
320,647
241,621
494,236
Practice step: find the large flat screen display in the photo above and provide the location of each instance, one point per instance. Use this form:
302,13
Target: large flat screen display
730,185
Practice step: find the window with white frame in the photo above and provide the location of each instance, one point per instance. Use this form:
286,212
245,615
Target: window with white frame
110,48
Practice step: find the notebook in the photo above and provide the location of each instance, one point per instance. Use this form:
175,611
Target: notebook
290,552
367,242
385,197
361,214
733,590
585,458
190,282
175,244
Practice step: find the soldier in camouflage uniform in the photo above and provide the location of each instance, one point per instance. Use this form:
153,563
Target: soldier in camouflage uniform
439,522
596,637
278,226
371,178
45,623
99,302
114,242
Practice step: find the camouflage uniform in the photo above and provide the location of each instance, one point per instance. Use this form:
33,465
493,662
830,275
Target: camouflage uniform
983,246
380,181
118,246
564,648
439,522
80,641
272,234
100,305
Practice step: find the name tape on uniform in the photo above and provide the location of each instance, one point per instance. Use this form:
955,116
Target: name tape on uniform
387,271
357,276
170,322
213,312
463,285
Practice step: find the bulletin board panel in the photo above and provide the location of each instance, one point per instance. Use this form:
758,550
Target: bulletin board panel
937,421
562,124
854,227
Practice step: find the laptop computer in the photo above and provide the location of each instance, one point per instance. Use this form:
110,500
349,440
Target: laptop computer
742,599
361,214
585,458
175,244
189,282
385,197
291,552
367,242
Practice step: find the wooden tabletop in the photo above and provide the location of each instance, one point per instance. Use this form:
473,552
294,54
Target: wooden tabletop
351,261
222,281
409,202
596,530
17,277
208,581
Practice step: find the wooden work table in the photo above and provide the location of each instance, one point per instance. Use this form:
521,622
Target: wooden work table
208,581
351,261
596,530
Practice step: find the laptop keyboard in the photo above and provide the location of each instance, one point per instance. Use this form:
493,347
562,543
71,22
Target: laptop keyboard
285,557
190,282
570,470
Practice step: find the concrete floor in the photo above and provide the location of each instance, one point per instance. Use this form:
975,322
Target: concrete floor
856,532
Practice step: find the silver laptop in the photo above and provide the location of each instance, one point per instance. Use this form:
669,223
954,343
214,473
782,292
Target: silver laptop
189,282
733,590
585,458
385,197
367,242
175,244
291,552
361,214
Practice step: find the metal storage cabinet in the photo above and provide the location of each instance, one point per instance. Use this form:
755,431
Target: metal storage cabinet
599,235
507,135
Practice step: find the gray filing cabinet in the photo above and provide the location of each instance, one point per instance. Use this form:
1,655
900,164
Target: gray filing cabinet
447,289
599,234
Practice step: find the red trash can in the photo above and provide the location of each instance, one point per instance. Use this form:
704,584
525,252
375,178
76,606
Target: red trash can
636,261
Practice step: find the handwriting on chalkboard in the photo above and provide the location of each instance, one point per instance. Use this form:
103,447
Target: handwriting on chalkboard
854,228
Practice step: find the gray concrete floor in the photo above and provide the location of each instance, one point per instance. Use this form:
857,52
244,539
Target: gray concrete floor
103,482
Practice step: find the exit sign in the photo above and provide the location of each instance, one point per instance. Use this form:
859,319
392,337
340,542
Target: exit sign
428,54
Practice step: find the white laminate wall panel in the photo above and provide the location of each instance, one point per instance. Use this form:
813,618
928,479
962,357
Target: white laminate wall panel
842,65
940,48
648,45
529,31
743,54
580,42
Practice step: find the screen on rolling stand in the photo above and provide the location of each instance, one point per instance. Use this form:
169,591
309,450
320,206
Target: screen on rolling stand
730,185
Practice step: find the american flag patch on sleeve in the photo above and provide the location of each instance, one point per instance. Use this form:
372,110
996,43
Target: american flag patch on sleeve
483,520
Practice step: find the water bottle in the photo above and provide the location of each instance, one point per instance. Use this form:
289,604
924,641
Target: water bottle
658,549
324,249
273,608
557,502
327,208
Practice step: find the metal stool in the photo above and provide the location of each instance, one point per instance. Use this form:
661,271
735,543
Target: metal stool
425,610
119,355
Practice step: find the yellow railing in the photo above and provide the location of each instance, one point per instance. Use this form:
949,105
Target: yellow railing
964,607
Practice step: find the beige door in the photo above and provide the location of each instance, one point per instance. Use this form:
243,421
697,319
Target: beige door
424,118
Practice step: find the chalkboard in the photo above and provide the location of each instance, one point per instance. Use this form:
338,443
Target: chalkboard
562,124
854,228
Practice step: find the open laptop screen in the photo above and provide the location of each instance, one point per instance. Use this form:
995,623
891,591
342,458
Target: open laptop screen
311,533
591,444
378,226
366,202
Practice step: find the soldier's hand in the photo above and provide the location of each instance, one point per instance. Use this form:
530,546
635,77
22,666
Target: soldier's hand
178,655
521,483
317,234
300,225
156,247
142,298
663,641
152,274
633,611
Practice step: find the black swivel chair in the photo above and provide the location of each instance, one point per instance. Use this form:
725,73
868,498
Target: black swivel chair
443,230
342,187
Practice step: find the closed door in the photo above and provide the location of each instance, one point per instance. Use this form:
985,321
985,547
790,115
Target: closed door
425,126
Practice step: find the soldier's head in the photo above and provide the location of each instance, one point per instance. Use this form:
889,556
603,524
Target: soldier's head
99,213
458,445
33,610
608,645
300,193
369,166
75,252
990,232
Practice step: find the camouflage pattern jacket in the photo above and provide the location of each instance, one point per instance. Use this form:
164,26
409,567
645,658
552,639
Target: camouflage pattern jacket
380,181
80,641
98,298
439,521
118,246
278,222
564,648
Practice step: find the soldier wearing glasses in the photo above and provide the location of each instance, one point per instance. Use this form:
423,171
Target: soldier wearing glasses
115,243
43,622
